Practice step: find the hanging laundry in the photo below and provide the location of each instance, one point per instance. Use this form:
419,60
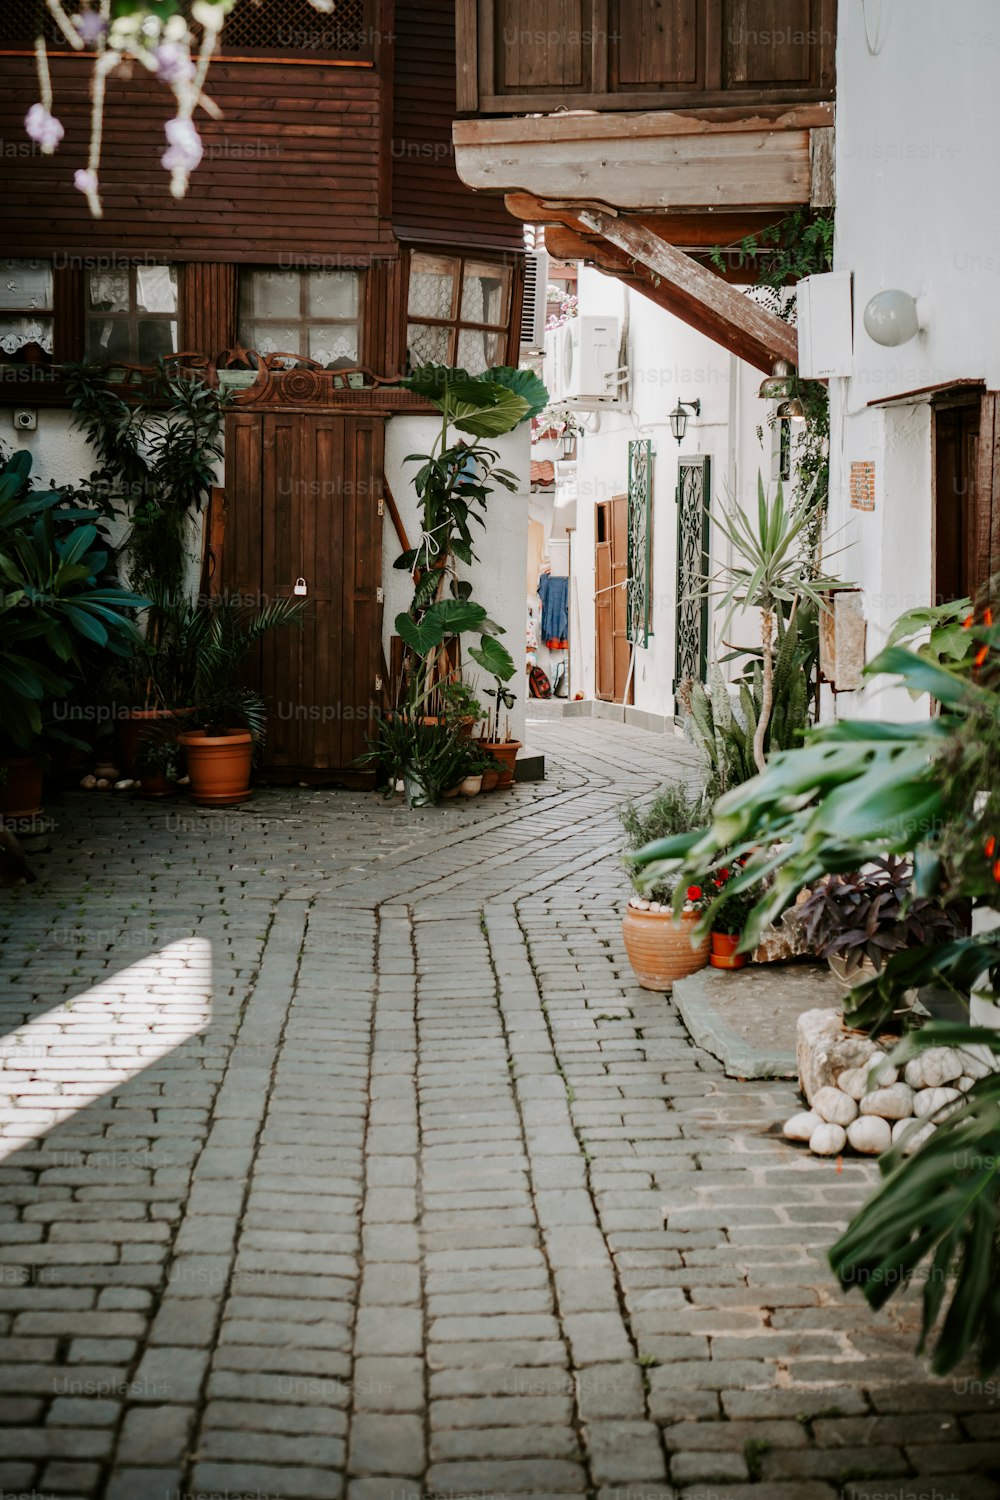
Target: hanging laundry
554,594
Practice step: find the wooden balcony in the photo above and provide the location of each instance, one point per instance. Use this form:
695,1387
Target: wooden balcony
536,56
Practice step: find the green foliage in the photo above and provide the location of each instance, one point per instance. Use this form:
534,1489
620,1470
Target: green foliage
940,1206
156,454
676,809
435,756
873,913
524,383
221,637
55,602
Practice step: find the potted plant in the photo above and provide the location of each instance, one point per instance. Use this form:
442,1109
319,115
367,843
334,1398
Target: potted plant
856,921
160,762
501,744
431,760
659,942
227,727
729,916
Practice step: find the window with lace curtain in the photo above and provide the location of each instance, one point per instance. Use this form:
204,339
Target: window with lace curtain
131,314
295,313
458,311
26,322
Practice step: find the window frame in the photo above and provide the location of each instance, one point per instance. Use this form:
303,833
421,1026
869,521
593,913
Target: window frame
133,316
305,320
456,324
41,314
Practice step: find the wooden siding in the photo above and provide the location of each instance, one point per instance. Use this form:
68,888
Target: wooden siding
516,56
293,163
430,204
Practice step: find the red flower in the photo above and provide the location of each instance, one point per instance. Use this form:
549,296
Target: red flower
968,622
990,846
981,655
694,892
988,616
996,872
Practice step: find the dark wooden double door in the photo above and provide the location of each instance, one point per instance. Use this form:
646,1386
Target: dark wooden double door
613,657
304,501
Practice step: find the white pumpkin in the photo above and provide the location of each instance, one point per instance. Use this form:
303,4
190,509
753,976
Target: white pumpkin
801,1126
892,1103
834,1107
871,1135
828,1140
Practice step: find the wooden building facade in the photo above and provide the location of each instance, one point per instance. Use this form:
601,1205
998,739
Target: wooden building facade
327,231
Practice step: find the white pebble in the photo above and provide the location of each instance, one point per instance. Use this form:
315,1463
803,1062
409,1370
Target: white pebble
936,1066
103,785
914,1134
882,1074
124,785
834,1107
964,1083
870,1135
929,1101
892,1103
88,783
828,1140
801,1126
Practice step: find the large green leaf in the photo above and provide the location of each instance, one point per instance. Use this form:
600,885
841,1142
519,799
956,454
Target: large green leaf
493,658
501,415
523,383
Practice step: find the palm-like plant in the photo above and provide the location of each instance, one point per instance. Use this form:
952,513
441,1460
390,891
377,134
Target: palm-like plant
222,635
772,572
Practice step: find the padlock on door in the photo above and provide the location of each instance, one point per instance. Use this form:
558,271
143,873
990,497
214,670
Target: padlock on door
301,587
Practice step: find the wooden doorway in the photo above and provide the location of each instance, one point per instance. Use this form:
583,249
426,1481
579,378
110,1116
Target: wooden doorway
613,648
303,500
957,565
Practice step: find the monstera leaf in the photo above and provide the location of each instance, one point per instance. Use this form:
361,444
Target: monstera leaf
524,383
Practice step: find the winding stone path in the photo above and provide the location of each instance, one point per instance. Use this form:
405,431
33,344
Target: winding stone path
340,1156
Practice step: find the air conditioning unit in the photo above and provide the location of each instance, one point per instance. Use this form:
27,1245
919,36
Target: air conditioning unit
586,362
533,306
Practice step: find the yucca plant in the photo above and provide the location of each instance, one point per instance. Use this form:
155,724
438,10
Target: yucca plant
772,572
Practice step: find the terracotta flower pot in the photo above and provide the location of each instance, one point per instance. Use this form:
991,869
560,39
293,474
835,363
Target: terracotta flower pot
490,780
505,751
219,766
157,784
21,790
724,954
659,949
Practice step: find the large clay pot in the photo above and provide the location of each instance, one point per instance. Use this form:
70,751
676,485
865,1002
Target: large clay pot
506,753
219,766
724,954
659,949
21,789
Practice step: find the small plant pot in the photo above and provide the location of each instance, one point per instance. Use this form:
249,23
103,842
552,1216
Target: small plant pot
452,791
219,766
416,793
724,954
156,784
506,753
130,732
21,790
846,977
490,780
471,786
660,949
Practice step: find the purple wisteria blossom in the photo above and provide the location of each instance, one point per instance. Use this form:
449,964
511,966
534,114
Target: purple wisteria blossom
85,181
185,150
43,128
91,26
173,63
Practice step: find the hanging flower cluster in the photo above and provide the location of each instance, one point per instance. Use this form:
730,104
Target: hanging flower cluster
160,35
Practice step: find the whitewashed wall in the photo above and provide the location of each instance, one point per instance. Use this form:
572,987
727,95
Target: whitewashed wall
498,578
668,361
918,163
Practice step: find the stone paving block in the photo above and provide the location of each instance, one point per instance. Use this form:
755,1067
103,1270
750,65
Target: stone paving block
625,1452
141,1484
387,1443
497,1478
155,1435
210,1480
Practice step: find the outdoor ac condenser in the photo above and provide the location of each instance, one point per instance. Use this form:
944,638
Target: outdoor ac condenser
589,361
533,306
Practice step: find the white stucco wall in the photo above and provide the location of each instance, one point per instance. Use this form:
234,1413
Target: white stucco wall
498,578
918,152
668,362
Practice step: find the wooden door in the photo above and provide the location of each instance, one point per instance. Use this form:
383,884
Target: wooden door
956,443
613,648
303,496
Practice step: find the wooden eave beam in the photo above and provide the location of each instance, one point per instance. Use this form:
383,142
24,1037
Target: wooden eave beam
696,295
660,161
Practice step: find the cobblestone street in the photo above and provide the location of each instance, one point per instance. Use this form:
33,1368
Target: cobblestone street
343,1156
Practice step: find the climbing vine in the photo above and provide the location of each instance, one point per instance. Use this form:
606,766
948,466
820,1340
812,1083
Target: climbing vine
782,254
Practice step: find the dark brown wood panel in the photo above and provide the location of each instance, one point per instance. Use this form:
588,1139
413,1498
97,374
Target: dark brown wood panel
664,44
303,502
987,483
293,167
516,56
430,202
208,307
